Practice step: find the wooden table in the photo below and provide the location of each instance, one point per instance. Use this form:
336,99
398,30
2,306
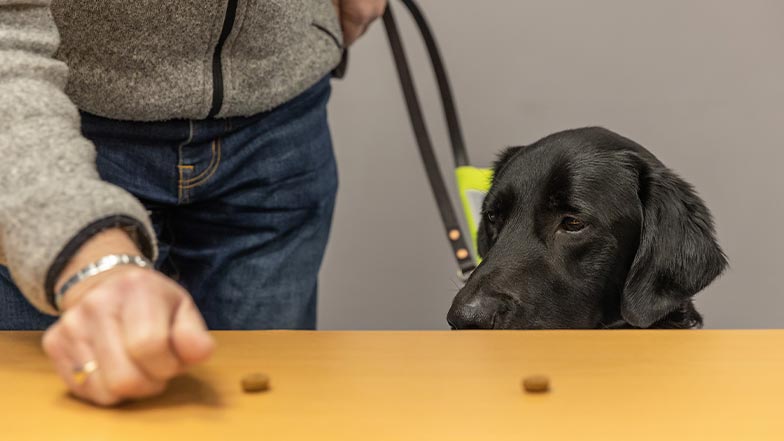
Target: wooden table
608,385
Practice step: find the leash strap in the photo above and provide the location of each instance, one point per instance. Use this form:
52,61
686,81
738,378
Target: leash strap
444,87
459,246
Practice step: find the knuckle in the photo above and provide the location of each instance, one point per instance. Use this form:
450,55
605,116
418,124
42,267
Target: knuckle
187,303
71,322
51,341
360,12
147,344
367,11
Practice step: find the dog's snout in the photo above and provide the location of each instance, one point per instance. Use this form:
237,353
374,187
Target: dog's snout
478,312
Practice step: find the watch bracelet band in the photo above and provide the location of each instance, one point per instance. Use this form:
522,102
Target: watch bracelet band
104,264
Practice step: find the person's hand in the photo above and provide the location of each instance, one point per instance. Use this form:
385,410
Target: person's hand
139,328
356,16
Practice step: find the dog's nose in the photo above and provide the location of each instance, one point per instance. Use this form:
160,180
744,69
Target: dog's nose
478,312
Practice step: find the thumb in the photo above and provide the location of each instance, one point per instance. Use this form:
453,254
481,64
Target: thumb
190,339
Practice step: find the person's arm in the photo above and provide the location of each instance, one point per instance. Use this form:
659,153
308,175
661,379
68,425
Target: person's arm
51,197
57,216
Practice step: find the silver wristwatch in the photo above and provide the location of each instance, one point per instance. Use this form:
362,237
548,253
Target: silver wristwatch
104,264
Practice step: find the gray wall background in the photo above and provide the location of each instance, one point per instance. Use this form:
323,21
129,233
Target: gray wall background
699,83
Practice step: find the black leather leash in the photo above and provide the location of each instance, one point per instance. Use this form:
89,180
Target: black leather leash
456,238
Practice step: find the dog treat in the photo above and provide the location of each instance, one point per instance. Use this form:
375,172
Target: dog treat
536,383
255,382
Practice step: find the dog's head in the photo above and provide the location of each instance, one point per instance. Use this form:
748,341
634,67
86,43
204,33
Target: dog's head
583,229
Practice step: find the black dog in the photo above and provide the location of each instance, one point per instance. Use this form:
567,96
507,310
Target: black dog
587,229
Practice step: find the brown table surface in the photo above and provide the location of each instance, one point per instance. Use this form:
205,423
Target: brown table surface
609,385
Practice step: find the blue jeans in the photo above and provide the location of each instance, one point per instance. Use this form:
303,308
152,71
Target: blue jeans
242,208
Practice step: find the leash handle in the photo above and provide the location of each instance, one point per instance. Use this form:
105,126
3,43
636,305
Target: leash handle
444,87
459,245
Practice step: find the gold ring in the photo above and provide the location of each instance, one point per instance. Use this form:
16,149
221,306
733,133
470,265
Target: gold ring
81,373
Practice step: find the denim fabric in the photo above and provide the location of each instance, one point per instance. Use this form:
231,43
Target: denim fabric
242,208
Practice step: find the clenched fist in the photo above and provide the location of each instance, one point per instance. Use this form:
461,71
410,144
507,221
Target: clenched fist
134,328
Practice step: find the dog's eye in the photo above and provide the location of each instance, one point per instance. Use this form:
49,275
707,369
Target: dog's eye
572,224
490,216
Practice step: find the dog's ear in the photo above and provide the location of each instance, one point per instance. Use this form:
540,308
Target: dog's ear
503,159
678,254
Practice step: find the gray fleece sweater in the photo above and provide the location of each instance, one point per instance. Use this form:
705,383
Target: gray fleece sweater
140,60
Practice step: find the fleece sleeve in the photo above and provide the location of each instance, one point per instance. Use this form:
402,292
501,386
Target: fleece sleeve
51,197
